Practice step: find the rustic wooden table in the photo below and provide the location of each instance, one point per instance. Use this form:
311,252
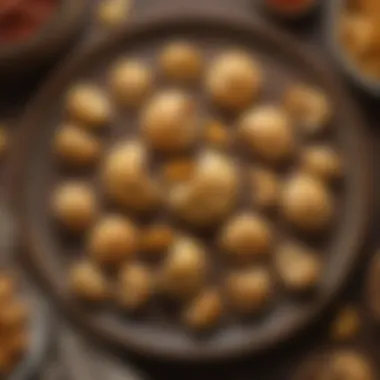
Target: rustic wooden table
74,357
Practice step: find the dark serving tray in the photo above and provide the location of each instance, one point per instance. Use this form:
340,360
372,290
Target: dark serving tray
33,174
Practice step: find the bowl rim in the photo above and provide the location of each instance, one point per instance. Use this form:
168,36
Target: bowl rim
243,25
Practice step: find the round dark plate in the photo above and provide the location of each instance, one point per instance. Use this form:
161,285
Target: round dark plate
34,173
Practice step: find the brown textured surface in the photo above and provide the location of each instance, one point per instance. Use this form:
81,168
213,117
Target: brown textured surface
281,363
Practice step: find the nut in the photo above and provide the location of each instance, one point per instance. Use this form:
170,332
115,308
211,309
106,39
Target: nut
204,311
322,162
113,240
87,104
233,80
75,206
307,204
309,107
249,291
298,268
130,82
181,61
184,270
267,132
170,122
88,282
208,197
246,237
135,287
76,147
126,179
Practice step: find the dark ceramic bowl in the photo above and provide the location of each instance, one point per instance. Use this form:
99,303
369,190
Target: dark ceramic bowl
18,59
34,174
341,56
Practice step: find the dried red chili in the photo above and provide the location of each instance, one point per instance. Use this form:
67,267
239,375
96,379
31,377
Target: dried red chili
22,19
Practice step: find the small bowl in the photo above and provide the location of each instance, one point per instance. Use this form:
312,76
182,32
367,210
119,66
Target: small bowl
341,56
20,58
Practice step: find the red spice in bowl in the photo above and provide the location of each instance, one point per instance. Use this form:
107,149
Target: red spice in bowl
20,20
291,8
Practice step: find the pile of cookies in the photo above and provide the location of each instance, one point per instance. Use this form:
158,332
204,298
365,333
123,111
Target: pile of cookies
14,318
209,210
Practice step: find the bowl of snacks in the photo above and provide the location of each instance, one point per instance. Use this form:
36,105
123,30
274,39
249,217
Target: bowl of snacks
354,32
34,32
192,187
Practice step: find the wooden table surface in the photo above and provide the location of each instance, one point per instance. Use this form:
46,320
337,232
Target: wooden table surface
74,357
